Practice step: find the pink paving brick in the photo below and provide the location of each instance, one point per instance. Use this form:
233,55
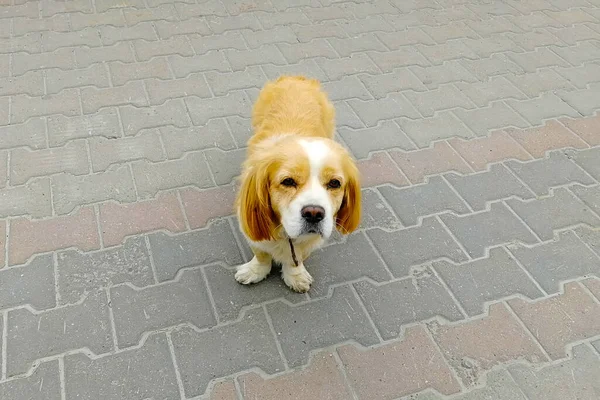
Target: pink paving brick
380,169
399,368
474,347
202,206
224,391
38,236
562,319
416,165
551,136
587,128
118,221
499,146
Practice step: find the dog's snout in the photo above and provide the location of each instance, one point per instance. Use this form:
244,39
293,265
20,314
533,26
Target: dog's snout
313,214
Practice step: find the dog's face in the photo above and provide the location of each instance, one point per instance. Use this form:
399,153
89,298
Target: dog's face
304,186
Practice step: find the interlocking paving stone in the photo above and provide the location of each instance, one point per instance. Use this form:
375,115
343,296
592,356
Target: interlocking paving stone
495,184
385,135
556,261
202,356
477,346
80,273
42,384
31,284
585,128
178,141
432,197
212,244
560,210
106,152
138,373
486,280
589,160
555,170
32,336
405,248
492,227
30,134
560,320
225,165
375,213
380,169
383,372
145,310
324,323
591,238
387,303
63,129
577,378
549,137
32,199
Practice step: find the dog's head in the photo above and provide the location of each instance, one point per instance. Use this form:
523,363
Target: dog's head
303,186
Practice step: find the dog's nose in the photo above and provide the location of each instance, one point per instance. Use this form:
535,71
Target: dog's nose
313,214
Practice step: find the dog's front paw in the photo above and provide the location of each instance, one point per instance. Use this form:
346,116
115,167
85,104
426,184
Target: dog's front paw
252,272
297,278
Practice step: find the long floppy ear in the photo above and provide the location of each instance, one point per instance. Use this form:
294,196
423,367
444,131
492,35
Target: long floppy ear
349,214
254,203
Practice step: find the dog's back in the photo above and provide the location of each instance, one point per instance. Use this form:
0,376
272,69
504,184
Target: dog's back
292,105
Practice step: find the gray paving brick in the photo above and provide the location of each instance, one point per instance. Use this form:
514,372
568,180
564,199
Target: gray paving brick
577,377
536,39
63,129
71,191
557,261
486,280
157,307
24,107
425,131
546,106
495,184
357,44
541,81
178,141
85,56
304,67
212,244
561,210
79,21
329,321
574,34
86,37
163,12
29,43
398,303
191,9
589,195
213,60
325,29
498,64
278,34
413,246
191,170
134,374
445,97
497,226
290,17
451,50
241,130
23,62
584,101
42,384
31,284
556,170
339,68
93,99
590,237
497,88
52,7
375,213
238,22
393,106
112,34
248,343
202,110
296,52
390,60
267,54
29,10
225,165
381,85
155,68
159,91
533,21
31,83
57,332
489,27
346,88
579,54
172,112
583,75
362,10
30,134
27,164
228,40
236,8
106,152
385,135
176,45
115,4
413,202
80,273
33,199
497,115
223,83
449,72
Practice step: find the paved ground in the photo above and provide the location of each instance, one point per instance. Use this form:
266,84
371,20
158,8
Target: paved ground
476,272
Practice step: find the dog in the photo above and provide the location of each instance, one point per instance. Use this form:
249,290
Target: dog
297,183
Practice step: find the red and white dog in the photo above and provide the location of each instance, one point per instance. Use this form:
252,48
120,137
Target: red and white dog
297,184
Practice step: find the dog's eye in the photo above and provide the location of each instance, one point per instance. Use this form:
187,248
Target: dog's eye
288,182
334,184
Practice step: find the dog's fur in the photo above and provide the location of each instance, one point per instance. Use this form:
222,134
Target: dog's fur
293,163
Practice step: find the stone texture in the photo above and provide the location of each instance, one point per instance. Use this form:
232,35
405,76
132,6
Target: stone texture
560,320
158,307
585,128
383,136
557,261
413,246
42,384
31,284
32,199
106,152
385,372
478,346
247,343
380,169
589,161
549,137
178,141
329,321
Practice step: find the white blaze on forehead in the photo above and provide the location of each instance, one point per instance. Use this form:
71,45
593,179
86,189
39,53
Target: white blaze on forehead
317,153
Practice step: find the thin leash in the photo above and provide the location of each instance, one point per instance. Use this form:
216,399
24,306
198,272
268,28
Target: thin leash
293,251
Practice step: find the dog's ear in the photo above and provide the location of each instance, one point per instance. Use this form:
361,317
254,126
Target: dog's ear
349,214
254,201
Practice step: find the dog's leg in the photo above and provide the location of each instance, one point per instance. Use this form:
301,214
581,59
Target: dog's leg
297,278
254,270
